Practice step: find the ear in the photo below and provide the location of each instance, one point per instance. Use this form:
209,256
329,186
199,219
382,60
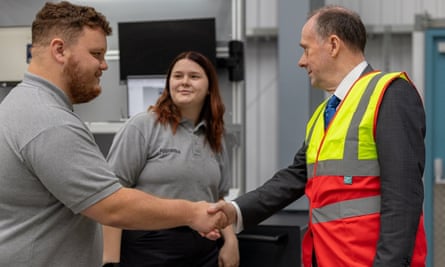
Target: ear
334,45
58,52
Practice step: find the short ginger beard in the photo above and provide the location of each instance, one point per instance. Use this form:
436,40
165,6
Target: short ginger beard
80,86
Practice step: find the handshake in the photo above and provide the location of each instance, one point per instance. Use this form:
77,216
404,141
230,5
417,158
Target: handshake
209,218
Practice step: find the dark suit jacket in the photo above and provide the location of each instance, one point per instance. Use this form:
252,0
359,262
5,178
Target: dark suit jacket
401,151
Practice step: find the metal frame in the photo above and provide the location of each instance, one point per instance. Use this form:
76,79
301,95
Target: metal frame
238,102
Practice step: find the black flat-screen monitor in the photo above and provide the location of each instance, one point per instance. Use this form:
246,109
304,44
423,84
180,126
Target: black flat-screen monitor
6,87
148,47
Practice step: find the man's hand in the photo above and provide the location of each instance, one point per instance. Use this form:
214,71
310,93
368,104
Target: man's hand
230,213
226,207
206,222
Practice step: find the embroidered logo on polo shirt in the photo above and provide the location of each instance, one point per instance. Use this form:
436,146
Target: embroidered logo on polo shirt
167,151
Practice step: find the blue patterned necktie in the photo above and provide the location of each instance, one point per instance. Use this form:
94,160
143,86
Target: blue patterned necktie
330,109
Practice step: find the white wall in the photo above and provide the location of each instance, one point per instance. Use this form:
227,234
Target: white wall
379,12
14,42
260,14
261,91
261,111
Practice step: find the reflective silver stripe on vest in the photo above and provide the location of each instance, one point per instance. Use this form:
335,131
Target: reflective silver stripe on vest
350,164
345,167
346,209
351,147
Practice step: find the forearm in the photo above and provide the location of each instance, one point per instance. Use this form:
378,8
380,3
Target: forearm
283,188
229,253
229,235
112,244
134,209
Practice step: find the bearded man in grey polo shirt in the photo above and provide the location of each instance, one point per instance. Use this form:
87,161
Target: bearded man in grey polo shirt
55,184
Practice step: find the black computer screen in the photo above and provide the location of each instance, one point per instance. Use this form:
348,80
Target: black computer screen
147,48
5,88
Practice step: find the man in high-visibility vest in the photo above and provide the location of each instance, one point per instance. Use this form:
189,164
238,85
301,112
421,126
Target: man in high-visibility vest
362,171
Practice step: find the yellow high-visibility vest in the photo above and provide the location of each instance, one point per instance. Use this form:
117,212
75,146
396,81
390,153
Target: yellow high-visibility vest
343,186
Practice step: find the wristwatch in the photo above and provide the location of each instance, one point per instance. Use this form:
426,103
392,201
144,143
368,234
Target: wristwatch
111,264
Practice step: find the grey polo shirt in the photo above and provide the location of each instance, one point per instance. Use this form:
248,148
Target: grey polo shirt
50,170
148,156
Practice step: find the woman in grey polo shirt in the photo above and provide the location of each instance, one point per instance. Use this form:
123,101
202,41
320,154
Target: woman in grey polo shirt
176,150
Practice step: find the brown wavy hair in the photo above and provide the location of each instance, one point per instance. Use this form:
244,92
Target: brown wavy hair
212,111
65,20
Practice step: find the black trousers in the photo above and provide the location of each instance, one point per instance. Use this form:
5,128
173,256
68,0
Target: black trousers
314,259
177,247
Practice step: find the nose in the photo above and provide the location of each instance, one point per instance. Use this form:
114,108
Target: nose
185,80
302,62
103,65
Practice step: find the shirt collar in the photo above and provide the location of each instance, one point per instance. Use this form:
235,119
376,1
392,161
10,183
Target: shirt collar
349,80
188,124
43,84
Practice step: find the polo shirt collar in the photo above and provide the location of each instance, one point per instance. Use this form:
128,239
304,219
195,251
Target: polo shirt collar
45,85
188,124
